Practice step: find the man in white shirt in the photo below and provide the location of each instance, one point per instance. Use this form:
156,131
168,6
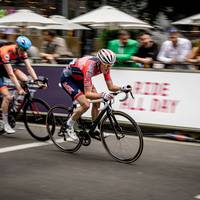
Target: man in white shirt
174,52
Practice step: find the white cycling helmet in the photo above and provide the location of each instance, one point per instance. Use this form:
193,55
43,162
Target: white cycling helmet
106,56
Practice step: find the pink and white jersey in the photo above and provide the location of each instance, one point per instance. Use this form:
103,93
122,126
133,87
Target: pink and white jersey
83,69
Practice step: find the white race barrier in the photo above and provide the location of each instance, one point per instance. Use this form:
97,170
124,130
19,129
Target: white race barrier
169,99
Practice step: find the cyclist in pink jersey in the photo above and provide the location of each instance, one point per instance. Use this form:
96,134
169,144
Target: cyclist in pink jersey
76,80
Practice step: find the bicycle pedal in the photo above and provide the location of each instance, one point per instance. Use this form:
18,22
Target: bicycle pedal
84,138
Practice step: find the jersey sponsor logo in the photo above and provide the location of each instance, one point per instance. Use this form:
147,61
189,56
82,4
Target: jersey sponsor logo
68,88
6,57
91,68
88,79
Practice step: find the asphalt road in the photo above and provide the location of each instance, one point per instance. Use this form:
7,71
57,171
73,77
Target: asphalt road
167,170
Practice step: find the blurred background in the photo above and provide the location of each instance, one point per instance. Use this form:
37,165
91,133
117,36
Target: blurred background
160,15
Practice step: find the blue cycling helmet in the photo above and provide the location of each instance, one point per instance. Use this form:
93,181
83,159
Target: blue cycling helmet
23,42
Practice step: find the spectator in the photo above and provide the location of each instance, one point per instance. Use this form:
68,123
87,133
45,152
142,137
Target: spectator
3,37
53,47
194,56
174,52
124,48
34,54
147,51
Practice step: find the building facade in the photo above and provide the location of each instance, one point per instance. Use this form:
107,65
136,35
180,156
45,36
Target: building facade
44,7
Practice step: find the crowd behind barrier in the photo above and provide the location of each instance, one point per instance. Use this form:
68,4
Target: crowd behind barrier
156,65
143,52
174,53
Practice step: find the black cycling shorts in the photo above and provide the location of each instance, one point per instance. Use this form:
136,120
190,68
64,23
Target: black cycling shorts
72,87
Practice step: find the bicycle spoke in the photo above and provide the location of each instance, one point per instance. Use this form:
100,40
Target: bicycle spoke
124,142
56,126
34,117
116,127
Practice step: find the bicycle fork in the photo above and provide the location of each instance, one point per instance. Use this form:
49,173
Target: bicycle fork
116,127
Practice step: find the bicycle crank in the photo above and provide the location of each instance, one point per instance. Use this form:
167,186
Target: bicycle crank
84,138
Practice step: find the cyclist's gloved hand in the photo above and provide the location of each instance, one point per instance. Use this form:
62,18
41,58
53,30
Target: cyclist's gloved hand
41,84
126,88
107,96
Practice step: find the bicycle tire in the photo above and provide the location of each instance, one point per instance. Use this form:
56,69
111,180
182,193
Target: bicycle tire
35,114
56,126
116,125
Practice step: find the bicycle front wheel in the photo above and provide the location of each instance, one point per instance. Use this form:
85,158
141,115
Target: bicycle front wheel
121,137
56,127
35,112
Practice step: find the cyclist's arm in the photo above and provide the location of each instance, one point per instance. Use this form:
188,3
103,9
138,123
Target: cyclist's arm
111,86
91,95
30,69
109,82
88,88
12,76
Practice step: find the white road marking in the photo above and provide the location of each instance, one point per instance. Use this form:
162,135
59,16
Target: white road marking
23,146
28,146
197,196
38,144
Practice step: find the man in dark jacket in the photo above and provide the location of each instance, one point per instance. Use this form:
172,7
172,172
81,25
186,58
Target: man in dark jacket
147,51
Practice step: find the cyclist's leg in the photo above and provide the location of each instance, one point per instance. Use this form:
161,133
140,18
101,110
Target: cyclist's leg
75,90
20,75
95,113
4,106
6,99
95,106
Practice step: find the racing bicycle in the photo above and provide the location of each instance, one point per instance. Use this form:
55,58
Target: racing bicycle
119,133
32,111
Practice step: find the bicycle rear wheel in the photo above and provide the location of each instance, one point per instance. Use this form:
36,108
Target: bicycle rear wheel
56,127
35,112
121,137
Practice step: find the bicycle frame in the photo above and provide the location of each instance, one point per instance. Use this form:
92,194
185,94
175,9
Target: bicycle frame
107,109
28,96
26,99
100,116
